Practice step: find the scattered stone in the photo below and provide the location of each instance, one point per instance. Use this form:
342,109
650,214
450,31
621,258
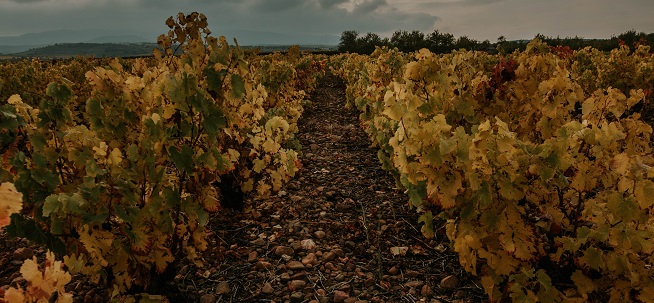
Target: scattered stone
285,277
394,270
252,256
412,273
339,252
284,250
330,266
267,289
22,254
426,291
259,242
319,234
314,147
321,292
309,259
296,285
339,278
222,288
449,282
340,296
308,244
299,276
296,245
297,296
208,298
370,282
295,265
264,265
329,256
460,294
414,284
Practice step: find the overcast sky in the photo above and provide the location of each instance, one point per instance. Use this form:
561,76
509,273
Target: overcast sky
478,19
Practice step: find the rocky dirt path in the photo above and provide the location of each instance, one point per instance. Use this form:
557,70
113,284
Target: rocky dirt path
329,238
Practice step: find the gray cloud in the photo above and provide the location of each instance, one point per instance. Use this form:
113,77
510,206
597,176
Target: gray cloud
478,19
331,3
369,6
275,5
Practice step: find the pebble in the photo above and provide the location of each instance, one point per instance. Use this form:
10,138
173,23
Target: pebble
309,259
330,266
297,296
340,296
259,242
320,234
339,252
284,250
264,265
296,285
22,254
285,276
394,270
449,282
426,291
296,245
307,244
222,288
414,284
460,294
267,289
252,256
339,278
208,298
329,256
295,265
412,273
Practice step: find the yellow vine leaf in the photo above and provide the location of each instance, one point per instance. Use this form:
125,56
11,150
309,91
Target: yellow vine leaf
644,194
620,163
11,201
13,295
115,157
162,257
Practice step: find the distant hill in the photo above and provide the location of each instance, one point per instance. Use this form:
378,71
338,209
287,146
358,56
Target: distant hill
117,43
118,39
17,44
246,37
75,36
98,50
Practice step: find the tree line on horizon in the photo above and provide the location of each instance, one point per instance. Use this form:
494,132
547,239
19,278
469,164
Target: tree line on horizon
440,42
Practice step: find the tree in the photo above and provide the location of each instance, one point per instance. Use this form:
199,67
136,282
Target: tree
368,43
348,41
408,41
440,42
464,42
